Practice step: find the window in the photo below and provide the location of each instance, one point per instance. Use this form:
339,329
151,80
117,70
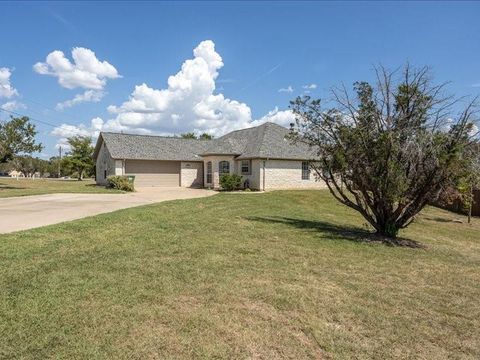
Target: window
209,172
305,171
245,167
105,174
223,167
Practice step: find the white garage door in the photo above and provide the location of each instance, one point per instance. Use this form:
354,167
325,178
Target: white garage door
154,173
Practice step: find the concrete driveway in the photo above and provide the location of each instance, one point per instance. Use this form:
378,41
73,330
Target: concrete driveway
21,213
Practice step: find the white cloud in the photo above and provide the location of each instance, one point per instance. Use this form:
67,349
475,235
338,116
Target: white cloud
310,86
474,131
288,89
64,131
6,88
13,105
85,72
280,117
188,103
87,96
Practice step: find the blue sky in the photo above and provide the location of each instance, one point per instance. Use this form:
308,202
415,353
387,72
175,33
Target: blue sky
255,49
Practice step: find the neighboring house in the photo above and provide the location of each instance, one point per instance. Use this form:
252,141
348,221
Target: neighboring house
262,155
16,174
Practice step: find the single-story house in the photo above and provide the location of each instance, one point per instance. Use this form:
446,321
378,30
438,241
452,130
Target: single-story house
262,155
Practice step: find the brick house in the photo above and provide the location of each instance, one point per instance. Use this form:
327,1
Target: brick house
262,155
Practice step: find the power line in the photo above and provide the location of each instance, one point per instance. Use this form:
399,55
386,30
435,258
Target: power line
55,111
31,118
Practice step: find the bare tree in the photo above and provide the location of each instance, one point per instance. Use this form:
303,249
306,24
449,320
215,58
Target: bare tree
390,148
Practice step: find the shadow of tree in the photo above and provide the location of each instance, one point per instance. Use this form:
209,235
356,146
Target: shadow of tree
345,232
9,187
438,219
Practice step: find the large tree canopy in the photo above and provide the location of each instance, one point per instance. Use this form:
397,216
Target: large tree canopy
390,148
17,136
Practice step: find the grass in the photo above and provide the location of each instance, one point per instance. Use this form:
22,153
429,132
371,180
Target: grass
274,275
23,187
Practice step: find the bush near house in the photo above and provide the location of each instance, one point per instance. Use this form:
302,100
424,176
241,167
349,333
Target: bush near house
230,182
120,183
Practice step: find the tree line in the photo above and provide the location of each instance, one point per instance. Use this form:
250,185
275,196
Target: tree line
17,143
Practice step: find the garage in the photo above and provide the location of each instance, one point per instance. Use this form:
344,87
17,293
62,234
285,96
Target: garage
153,172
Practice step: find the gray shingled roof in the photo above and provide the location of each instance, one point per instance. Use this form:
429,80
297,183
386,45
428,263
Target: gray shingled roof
264,141
147,147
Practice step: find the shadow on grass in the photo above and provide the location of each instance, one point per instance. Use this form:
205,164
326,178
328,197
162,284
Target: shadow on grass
9,187
345,232
439,219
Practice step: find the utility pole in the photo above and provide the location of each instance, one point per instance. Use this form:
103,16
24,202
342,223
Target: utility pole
59,161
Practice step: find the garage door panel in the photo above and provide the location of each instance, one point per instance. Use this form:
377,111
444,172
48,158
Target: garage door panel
154,173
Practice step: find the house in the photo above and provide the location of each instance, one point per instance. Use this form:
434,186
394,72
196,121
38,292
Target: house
16,174
262,155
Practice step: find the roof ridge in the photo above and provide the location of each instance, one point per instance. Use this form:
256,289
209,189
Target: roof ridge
261,143
248,128
152,135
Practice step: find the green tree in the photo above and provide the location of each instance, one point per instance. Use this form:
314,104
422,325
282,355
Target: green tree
17,136
205,136
188,135
57,167
385,151
80,157
29,165
25,164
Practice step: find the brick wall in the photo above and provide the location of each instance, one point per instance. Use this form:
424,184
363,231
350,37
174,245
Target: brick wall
287,174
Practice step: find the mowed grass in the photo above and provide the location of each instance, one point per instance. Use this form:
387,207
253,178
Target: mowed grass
23,187
266,276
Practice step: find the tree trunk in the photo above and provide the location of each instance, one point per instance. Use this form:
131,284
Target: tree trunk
386,227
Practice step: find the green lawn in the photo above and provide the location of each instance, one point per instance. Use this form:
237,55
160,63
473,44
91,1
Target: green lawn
274,275
22,187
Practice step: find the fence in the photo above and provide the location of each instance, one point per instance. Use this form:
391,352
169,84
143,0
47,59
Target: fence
458,207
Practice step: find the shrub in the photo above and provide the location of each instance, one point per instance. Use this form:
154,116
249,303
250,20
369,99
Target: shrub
230,182
120,183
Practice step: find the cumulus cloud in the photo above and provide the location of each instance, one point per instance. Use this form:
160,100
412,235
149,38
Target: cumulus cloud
87,96
13,105
310,86
85,72
6,88
288,89
280,117
188,103
65,131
